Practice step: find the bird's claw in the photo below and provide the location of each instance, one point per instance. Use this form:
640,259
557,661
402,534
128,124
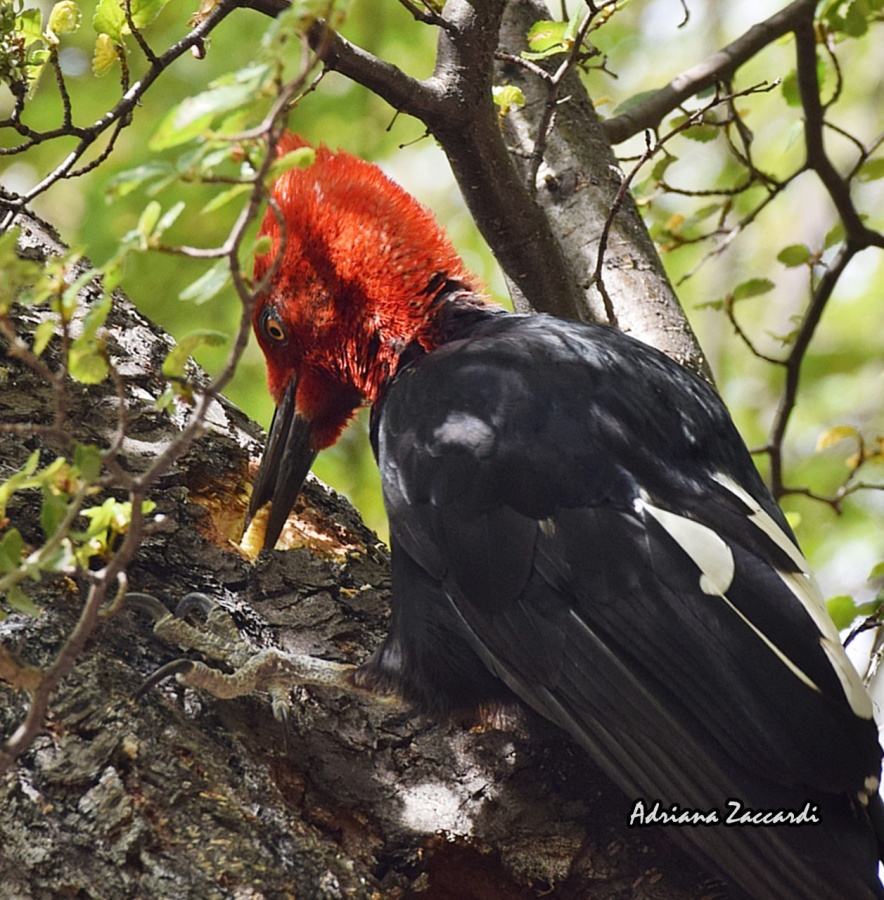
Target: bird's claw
271,670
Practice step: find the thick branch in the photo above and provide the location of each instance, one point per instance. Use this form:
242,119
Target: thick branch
649,112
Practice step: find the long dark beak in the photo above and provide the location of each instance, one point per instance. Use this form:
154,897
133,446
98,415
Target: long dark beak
284,466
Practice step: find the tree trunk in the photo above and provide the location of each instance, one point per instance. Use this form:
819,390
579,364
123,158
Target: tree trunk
175,794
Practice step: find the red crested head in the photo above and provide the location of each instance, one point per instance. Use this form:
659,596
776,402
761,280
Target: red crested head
360,267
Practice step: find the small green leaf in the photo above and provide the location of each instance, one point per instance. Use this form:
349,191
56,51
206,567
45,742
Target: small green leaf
754,287
88,461
190,118
842,610
110,20
105,56
168,218
877,571
300,158
222,199
795,255
871,170
87,362
701,133
507,98
43,334
835,235
209,284
29,26
12,548
546,38
123,183
63,19
52,511
855,23
147,221
175,362
660,167
790,90
17,599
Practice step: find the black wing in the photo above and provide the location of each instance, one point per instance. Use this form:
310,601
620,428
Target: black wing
574,511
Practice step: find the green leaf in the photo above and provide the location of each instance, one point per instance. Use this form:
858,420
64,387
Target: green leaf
147,222
52,512
105,55
210,283
835,235
507,97
88,461
660,167
63,19
754,287
145,11
789,89
12,547
175,362
87,362
19,480
17,599
871,170
877,571
842,610
855,23
124,183
795,255
18,276
300,158
190,118
222,199
29,26
701,133
547,38
109,19
43,334
168,218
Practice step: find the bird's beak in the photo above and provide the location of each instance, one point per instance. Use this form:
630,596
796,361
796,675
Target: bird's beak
287,458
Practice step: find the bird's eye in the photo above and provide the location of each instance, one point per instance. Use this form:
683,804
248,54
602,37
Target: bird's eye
272,326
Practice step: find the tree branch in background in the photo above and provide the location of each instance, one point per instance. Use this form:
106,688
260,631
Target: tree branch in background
650,111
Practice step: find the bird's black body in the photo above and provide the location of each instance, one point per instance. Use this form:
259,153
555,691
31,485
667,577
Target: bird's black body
575,520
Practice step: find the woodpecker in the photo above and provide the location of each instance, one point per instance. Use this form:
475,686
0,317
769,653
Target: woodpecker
576,525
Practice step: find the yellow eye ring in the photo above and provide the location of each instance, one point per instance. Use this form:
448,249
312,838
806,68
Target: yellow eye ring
272,326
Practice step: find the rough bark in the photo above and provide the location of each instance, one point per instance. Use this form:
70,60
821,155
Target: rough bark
175,794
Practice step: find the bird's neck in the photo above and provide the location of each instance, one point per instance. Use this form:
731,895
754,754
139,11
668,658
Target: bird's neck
360,365
368,361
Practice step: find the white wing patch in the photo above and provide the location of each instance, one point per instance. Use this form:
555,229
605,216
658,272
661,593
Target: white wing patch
803,585
711,554
715,561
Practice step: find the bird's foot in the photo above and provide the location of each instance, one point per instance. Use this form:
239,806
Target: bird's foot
270,670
